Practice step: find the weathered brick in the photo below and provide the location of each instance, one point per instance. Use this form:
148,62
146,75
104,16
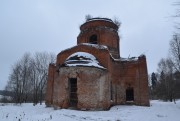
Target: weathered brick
97,88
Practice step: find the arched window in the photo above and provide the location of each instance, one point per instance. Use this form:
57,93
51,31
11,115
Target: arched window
93,39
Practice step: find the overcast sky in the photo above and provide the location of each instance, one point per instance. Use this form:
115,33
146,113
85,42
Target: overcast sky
53,25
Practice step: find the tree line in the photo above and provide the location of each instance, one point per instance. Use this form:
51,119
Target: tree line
165,83
28,77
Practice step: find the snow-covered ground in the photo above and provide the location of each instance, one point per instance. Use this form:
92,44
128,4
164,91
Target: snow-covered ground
158,111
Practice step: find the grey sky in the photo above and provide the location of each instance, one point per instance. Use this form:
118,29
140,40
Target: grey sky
53,25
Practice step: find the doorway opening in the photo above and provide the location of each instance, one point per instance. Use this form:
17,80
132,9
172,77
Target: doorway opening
73,92
129,94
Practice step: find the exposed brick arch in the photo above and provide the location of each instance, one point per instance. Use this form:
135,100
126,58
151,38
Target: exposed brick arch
102,55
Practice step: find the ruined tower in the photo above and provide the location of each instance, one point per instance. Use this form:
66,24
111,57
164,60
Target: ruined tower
101,31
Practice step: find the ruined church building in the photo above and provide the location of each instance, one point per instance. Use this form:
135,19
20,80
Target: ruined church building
93,76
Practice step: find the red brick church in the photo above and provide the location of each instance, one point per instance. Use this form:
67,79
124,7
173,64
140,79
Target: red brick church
93,76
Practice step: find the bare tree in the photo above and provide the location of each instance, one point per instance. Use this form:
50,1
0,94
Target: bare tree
88,17
117,22
166,86
169,69
40,70
28,77
175,51
19,79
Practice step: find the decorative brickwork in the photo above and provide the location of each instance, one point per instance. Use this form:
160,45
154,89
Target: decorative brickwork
77,83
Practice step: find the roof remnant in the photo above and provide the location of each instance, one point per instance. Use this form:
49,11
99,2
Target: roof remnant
82,59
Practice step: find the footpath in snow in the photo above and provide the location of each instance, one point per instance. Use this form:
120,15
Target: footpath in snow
158,111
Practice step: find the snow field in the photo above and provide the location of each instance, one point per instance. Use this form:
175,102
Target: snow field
158,111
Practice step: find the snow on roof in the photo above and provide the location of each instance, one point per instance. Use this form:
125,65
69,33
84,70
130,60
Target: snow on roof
125,59
82,59
96,46
91,45
129,59
95,19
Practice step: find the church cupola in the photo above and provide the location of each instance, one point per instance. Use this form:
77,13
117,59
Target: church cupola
102,31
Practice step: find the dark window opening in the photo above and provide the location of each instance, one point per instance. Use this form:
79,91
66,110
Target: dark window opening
129,94
93,39
111,92
73,92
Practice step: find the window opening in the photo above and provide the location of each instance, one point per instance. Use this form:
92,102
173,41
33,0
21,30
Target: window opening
111,92
93,39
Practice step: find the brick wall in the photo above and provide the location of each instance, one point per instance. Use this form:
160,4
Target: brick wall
98,88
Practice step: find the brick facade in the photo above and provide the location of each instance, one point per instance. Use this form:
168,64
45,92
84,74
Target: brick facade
121,81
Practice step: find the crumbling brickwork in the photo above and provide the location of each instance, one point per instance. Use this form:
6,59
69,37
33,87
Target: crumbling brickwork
83,83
